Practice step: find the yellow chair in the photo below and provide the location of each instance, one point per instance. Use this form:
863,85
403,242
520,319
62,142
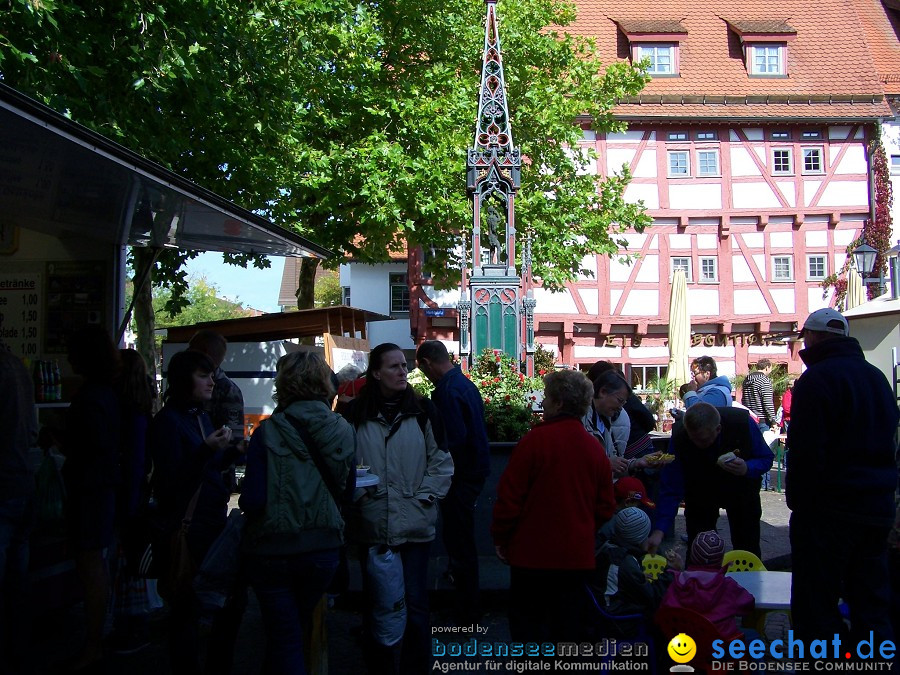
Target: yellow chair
653,565
742,561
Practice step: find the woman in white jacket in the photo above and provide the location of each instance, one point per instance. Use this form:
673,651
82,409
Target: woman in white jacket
400,437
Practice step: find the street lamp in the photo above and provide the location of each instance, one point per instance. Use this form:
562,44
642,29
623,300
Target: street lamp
864,257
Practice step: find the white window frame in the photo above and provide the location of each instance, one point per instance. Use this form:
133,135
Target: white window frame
687,163
652,51
398,281
674,263
647,372
810,257
706,136
766,50
895,165
821,161
717,171
790,156
790,268
345,296
704,263
779,135
677,137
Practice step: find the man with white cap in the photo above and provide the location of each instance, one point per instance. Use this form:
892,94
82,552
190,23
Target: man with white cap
841,479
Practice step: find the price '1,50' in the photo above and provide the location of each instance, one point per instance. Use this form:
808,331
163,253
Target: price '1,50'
29,315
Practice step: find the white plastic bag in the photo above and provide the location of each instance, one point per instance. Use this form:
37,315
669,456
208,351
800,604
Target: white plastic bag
385,570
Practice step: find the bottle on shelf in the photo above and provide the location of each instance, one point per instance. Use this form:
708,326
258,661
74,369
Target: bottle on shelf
57,382
38,376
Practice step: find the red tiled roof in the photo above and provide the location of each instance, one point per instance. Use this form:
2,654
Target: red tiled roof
828,56
880,23
770,26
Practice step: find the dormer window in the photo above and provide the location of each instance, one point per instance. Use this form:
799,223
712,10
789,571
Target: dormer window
656,43
766,59
661,57
765,45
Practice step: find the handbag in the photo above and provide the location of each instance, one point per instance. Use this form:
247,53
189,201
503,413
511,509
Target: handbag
181,567
384,567
215,580
143,543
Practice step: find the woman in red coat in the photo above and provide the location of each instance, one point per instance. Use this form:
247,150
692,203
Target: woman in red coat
555,493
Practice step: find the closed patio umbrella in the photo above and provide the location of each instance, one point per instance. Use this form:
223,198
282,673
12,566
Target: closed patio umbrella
679,330
856,295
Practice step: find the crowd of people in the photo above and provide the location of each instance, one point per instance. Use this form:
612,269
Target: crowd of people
575,552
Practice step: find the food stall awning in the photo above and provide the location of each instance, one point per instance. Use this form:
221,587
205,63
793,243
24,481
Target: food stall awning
63,179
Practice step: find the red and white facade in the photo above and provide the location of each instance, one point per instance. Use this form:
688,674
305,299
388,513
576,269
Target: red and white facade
749,149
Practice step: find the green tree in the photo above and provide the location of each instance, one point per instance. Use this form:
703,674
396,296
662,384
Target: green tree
328,289
345,121
203,304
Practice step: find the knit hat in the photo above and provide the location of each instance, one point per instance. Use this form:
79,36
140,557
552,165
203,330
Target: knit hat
631,526
629,487
707,549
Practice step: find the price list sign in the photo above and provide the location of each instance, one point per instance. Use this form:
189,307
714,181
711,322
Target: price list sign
20,313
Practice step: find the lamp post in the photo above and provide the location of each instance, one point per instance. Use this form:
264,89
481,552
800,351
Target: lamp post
864,257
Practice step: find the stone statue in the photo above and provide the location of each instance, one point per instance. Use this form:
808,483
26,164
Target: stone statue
493,223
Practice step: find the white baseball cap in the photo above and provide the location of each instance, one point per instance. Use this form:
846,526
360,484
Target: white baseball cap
827,320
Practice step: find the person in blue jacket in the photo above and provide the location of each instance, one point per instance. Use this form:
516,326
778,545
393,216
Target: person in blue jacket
707,386
720,457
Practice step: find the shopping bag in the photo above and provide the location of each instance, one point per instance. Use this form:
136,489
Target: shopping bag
384,568
50,495
215,580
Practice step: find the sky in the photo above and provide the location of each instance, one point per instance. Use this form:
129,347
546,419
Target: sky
251,287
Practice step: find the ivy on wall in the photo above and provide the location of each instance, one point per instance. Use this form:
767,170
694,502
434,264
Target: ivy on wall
876,231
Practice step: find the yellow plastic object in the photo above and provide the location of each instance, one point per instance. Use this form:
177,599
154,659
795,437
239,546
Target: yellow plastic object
653,565
742,561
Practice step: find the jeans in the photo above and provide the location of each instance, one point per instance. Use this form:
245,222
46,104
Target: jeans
458,514
16,520
744,511
412,654
288,589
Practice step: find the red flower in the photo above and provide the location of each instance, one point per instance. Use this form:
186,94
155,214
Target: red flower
542,372
498,359
507,397
487,400
521,377
496,380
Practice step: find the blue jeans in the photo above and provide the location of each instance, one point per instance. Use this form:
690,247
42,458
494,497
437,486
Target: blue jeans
412,654
458,514
288,589
16,520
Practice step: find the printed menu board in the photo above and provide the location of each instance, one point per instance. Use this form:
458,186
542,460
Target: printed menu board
74,297
20,313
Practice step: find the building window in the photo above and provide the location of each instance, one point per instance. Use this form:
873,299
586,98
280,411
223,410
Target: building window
815,267
679,163
766,59
707,162
682,264
345,296
709,269
811,135
676,136
661,57
644,378
780,135
812,160
895,164
782,268
781,161
399,294
707,136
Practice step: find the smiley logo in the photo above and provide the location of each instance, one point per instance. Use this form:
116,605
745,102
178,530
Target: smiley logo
682,648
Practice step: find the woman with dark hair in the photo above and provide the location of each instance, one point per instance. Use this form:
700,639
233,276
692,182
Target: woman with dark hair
189,457
298,464
91,474
399,436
